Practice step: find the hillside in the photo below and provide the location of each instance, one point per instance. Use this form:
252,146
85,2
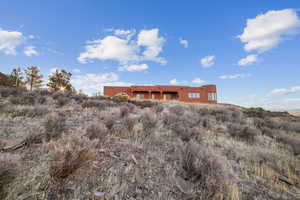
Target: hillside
67,146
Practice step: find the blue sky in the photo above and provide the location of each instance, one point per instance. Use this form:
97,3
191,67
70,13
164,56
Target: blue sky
249,49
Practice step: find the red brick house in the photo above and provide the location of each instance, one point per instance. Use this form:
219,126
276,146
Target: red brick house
204,94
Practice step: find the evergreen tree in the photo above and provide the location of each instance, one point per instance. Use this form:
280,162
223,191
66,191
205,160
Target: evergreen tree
17,77
33,78
60,80
6,80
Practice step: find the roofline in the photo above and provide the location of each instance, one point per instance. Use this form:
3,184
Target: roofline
161,86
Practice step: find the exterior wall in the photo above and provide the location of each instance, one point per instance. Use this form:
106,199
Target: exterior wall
180,93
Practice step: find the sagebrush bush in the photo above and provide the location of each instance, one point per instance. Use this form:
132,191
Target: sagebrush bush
243,132
61,101
72,152
5,92
177,110
149,121
54,125
199,165
143,104
6,176
41,99
27,111
100,104
97,129
124,111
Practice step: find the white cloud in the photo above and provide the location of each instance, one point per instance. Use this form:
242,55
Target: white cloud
125,33
110,48
198,81
30,51
267,30
208,61
9,41
248,60
91,83
125,50
153,43
284,91
76,70
234,76
185,43
130,68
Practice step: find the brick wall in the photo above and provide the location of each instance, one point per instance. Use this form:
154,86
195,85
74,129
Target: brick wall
204,94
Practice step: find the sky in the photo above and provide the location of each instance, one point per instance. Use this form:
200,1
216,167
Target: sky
250,49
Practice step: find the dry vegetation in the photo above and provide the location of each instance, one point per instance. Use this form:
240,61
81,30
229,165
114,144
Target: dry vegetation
67,146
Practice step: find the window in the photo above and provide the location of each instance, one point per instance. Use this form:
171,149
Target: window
140,96
194,95
212,96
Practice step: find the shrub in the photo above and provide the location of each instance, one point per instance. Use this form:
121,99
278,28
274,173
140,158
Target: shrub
129,123
26,98
149,121
98,104
177,110
75,150
56,95
243,132
54,125
121,97
41,100
143,104
27,111
6,176
255,112
199,165
158,108
124,111
61,101
97,130
43,92
71,162
5,92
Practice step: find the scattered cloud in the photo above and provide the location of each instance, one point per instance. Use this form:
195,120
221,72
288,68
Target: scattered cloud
125,33
131,68
92,83
248,60
266,31
147,47
153,43
30,51
185,43
110,48
208,61
198,81
76,70
9,41
284,91
234,76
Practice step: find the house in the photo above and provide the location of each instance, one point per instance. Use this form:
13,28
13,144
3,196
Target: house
203,94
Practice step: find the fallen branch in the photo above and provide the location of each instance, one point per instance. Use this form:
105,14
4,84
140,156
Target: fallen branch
36,139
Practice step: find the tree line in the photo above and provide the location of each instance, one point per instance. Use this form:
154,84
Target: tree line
31,78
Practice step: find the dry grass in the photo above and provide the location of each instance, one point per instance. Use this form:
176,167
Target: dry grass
79,145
